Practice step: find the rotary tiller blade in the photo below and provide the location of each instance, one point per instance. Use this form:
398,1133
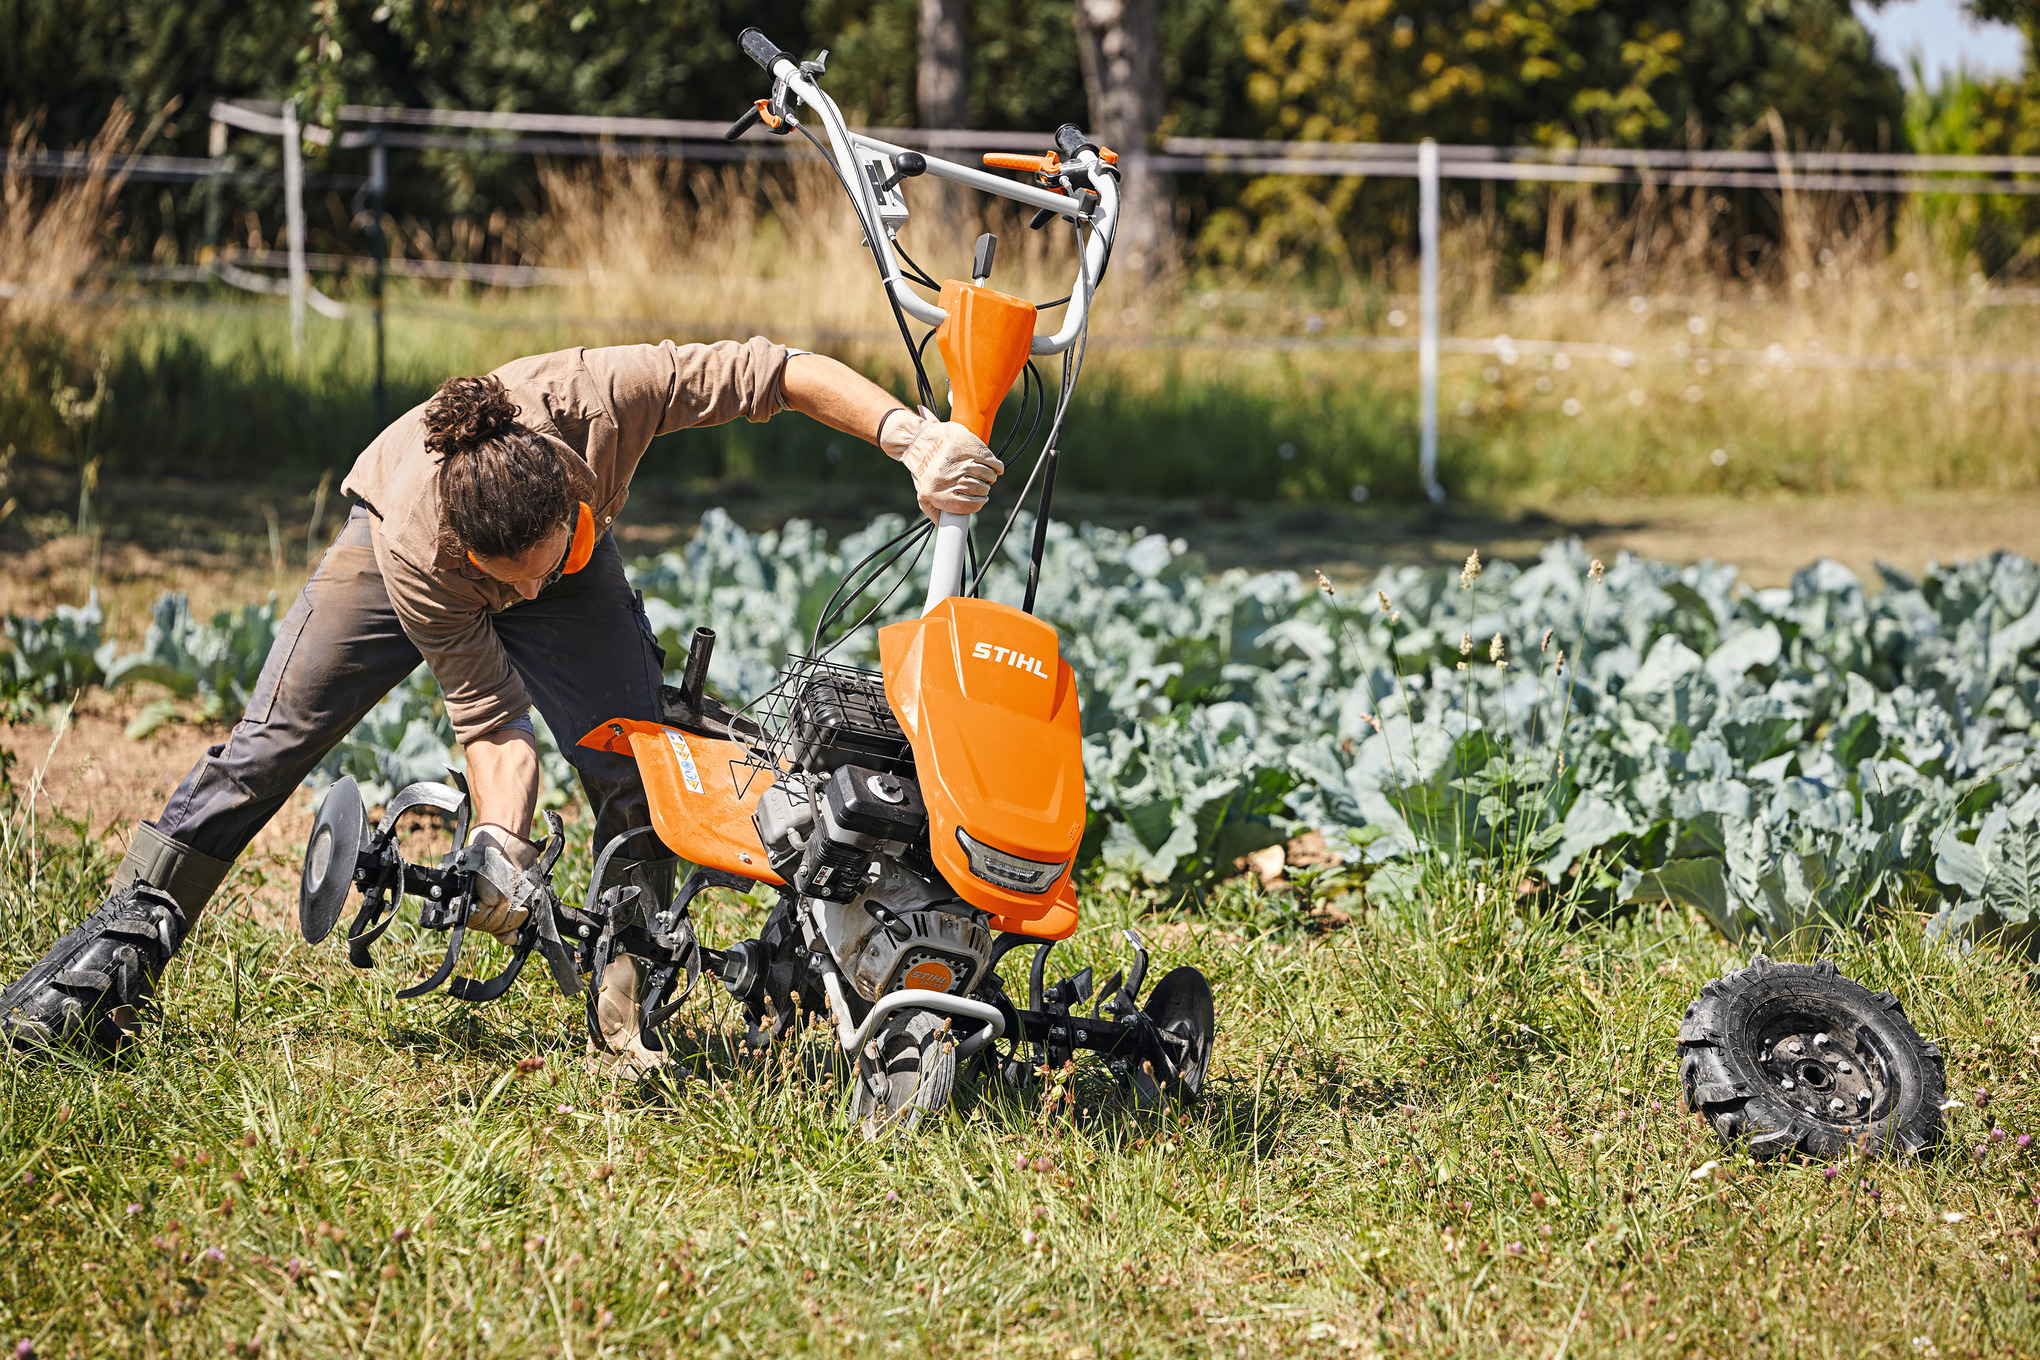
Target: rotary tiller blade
330,856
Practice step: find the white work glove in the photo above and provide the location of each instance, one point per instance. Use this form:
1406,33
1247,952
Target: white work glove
953,471
501,887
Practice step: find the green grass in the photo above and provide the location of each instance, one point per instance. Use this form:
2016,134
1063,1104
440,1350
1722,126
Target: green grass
217,393
1454,1135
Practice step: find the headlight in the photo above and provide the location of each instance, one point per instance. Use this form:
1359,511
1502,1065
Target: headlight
1009,871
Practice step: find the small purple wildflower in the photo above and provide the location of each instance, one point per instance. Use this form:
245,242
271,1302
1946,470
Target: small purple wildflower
294,1268
24,1349
1997,1135
1830,1173
134,1209
566,1109
2025,1140
214,1254
1027,1238
1979,1151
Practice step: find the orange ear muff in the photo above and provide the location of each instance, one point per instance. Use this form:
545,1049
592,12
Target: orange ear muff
583,546
579,549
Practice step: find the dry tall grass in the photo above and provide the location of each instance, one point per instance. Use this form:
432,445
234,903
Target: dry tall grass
1654,349
747,248
1726,363
52,231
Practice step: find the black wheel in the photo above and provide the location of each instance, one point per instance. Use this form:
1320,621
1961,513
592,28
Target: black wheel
1180,1007
911,1075
1794,1057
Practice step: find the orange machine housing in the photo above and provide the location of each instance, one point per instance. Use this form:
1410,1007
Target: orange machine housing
985,340
990,707
702,798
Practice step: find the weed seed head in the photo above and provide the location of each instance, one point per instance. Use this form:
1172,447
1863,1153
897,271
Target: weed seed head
1595,570
1495,649
1325,585
1381,598
1545,645
1471,571
1466,644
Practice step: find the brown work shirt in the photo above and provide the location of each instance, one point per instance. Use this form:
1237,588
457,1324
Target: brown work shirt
601,405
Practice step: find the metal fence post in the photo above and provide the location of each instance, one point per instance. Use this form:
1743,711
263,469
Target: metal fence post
216,151
294,221
1427,338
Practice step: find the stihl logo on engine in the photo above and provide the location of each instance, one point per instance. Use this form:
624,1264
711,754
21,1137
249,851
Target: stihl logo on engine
985,651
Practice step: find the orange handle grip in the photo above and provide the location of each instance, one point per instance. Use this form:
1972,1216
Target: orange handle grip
1040,165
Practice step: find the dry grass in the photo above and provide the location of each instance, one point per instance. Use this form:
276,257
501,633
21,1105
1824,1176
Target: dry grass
52,231
742,248
1716,338
1702,362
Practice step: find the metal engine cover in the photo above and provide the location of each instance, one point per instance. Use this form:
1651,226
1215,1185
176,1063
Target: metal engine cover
947,942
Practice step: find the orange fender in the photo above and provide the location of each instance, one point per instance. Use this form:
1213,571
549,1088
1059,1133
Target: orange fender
702,794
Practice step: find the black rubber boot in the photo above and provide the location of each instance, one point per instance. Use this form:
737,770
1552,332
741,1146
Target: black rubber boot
87,992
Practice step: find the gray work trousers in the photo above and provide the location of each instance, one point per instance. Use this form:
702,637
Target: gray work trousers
583,649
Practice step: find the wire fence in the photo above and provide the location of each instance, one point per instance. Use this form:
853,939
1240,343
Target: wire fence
378,130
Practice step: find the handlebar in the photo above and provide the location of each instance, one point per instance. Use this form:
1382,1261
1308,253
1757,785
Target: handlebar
760,49
1087,173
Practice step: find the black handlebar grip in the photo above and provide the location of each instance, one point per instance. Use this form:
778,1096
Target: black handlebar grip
760,48
696,674
750,118
1069,140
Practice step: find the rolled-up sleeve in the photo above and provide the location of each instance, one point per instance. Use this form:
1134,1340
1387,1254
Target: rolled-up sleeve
483,691
655,389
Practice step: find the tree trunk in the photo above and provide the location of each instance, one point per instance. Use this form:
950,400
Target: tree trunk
942,100
942,85
1119,46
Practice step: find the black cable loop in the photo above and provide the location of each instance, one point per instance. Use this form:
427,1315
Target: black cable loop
905,576
838,603
920,275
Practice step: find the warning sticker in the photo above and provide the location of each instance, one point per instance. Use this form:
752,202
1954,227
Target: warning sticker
687,770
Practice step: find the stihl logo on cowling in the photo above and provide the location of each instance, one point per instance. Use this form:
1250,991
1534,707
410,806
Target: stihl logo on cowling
985,651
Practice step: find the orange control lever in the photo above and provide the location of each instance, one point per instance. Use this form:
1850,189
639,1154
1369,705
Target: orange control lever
984,343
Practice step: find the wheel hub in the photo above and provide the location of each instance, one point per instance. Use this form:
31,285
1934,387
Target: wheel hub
1832,1074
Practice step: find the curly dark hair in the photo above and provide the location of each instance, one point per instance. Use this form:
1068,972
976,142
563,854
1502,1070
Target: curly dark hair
503,489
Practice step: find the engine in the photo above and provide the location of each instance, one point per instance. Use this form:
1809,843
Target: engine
847,829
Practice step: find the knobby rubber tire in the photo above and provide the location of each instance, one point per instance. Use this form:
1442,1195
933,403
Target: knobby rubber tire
1793,1058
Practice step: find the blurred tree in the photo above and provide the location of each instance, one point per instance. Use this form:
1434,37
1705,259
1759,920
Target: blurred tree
942,87
1625,72
1537,72
1969,116
1119,44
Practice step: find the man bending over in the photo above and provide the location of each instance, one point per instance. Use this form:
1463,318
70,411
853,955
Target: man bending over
479,542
